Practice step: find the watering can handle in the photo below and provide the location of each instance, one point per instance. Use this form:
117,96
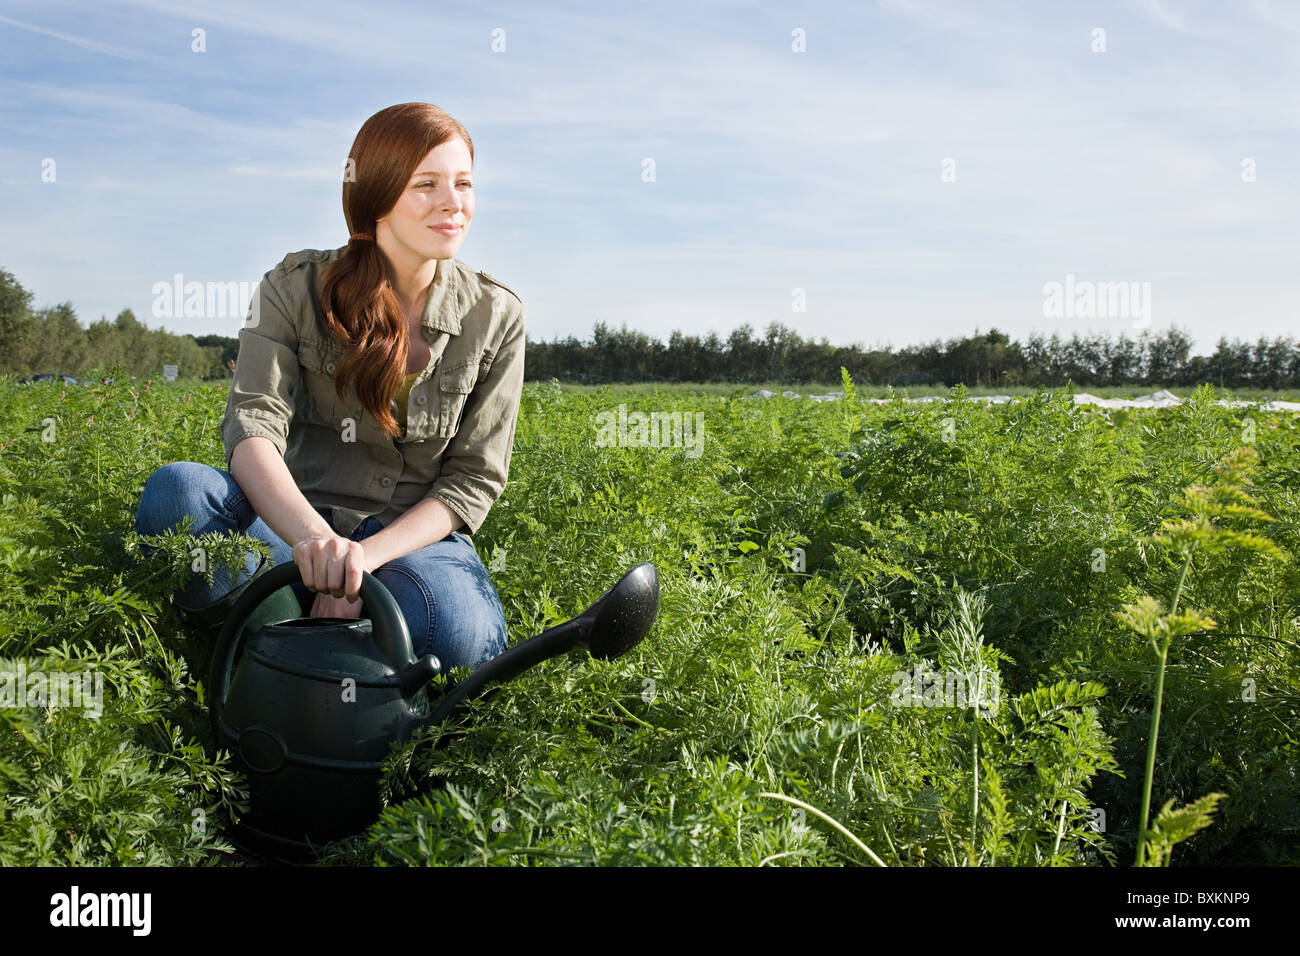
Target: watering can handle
389,626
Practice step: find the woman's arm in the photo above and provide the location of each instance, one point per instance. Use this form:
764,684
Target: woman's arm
255,430
331,565
425,522
261,473
476,463
257,468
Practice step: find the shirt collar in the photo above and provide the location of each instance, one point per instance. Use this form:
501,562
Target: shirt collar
443,310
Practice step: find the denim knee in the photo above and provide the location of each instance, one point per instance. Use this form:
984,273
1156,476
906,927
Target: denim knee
449,604
182,489
170,494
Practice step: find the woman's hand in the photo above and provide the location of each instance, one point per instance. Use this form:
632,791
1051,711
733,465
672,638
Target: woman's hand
326,605
332,566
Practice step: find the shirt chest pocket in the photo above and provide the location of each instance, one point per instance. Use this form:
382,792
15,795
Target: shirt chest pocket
319,363
455,383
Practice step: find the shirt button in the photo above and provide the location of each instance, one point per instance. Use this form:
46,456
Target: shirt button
421,399
329,367
385,481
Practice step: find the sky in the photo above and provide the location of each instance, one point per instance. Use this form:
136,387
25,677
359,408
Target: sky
879,172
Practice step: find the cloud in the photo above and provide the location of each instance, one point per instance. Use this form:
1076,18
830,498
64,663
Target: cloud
929,13
1159,12
93,45
311,173
1288,18
775,169
337,27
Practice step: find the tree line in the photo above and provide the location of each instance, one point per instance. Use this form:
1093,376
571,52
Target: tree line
988,359
53,340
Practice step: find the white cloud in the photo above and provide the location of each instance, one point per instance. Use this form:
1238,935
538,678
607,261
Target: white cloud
1157,10
92,45
312,173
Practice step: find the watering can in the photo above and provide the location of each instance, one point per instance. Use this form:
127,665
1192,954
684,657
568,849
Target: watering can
310,707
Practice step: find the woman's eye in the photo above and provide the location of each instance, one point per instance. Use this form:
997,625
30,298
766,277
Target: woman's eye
463,182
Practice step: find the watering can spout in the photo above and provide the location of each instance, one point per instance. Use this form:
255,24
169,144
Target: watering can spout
615,623
623,614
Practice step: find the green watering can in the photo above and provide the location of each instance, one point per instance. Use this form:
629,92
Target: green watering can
310,707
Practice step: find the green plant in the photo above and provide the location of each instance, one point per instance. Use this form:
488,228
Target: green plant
1186,537
757,725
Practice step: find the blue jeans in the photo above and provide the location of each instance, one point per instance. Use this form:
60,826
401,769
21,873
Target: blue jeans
450,604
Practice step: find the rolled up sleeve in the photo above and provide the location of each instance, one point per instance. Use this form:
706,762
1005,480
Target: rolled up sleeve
476,464
261,399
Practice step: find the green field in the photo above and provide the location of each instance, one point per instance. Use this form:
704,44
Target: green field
783,710
920,391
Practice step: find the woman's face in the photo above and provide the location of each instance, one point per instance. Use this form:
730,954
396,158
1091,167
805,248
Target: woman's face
441,190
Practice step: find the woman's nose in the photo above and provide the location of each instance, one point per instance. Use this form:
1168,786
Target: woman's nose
450,200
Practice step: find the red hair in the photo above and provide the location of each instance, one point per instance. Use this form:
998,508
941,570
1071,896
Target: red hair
360,308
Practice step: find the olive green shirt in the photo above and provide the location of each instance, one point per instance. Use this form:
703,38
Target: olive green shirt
461,409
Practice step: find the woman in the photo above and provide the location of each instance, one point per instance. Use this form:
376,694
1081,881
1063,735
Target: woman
373,408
